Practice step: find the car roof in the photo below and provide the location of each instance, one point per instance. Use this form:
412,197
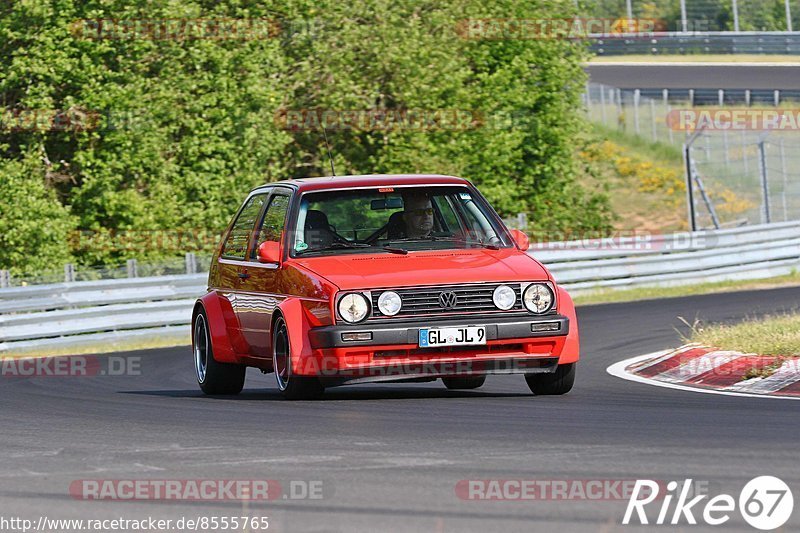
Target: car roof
367,180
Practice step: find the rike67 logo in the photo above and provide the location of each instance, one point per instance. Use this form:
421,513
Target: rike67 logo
765,502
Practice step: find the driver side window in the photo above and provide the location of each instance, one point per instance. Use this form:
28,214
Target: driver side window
273,223
235,246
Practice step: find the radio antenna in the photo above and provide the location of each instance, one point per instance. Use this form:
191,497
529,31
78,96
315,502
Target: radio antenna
330,157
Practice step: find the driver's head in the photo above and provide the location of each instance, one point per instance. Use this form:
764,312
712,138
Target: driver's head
417,214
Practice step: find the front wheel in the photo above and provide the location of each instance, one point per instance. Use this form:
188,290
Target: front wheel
212,376
292,387
558,382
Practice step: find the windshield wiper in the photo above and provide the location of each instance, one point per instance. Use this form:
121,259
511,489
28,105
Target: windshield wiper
434,238
393,250
335,246
467,241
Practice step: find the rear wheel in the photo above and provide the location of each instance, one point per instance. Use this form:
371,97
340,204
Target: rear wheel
558,382
462,383
292,387
212,376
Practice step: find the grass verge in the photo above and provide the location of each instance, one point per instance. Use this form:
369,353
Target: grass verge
777,335
117,346
646,179
651,293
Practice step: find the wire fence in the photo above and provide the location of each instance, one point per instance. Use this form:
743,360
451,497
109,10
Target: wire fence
745,172
68,273
745,177
702,15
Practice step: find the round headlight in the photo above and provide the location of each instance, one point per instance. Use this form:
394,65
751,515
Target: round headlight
504,297
389,303
353,307
538,298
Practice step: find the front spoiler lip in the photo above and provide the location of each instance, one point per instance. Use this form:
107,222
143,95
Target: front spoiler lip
405,333
507,364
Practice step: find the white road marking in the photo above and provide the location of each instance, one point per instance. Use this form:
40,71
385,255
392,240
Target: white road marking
618,370
786,375
667,355
698,365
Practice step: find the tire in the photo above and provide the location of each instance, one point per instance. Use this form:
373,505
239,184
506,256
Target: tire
213,377
292,387
559,382
464,383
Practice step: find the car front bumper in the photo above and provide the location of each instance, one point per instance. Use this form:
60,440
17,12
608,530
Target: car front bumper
393,333
513,345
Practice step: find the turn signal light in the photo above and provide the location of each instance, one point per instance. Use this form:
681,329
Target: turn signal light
545,326
364,336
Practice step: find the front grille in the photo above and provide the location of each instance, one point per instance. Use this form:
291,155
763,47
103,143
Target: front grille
423,302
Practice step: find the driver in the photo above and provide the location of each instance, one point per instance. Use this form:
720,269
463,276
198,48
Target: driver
417,214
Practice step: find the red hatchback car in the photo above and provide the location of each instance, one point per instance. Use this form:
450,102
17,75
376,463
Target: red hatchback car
354,279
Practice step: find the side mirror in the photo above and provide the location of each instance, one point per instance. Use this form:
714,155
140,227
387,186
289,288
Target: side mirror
269,252
521,239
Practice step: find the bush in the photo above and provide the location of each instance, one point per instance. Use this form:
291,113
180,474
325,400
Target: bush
171,134
35,227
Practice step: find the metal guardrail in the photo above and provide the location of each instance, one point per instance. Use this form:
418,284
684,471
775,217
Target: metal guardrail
722,42
96,313
70,315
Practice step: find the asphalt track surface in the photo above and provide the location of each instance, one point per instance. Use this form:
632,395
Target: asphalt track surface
694,76
390,455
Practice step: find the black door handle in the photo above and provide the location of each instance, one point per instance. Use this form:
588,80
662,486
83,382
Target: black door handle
244,275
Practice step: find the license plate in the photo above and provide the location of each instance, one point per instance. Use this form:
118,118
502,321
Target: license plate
458,336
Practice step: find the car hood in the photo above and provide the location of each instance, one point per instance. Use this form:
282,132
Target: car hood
362,271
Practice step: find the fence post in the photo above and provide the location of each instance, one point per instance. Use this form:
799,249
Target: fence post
785,181
589,98
653,118
706,200
69,273
636,97
665,96
762,166
684,22
522,221
191,263
744,153
688,167
132,269
725,148
5,279
603,103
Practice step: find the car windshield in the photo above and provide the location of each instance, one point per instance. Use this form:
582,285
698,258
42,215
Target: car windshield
394,220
